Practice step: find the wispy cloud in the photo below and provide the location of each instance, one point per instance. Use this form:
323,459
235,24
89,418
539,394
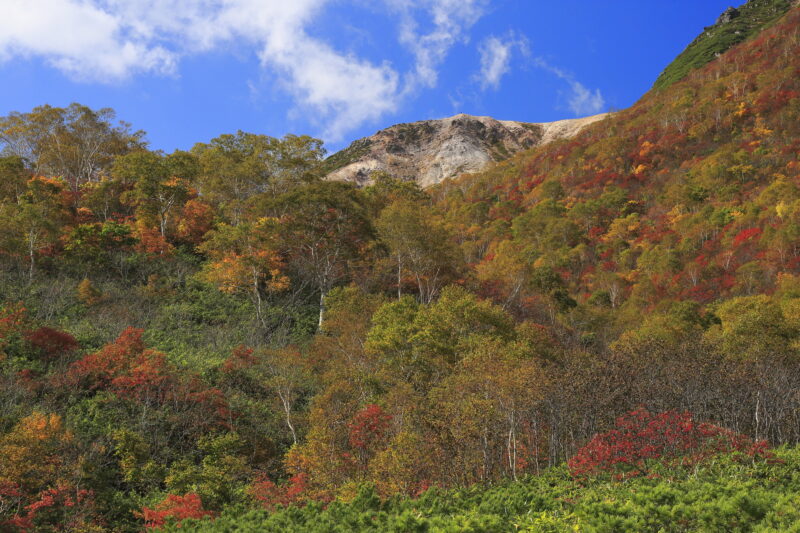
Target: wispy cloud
583,101
495,53
446,22
109,41
580,100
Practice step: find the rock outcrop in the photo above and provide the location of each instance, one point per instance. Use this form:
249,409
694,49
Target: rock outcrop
431,151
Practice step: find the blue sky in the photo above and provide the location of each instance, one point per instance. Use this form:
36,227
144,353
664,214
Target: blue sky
186,71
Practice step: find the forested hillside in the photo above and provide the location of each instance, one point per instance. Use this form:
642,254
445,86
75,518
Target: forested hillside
220,333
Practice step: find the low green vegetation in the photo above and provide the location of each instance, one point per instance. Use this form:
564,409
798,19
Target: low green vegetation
726,496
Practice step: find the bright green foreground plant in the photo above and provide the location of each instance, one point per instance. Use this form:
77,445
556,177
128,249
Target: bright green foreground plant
725,495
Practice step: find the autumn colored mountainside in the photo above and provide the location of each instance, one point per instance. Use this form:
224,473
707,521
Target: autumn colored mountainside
689,197
599,333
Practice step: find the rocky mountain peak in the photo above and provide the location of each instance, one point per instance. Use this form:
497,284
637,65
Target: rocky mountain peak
431,151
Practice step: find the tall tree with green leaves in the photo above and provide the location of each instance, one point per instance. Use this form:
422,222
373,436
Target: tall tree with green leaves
75,142
237,168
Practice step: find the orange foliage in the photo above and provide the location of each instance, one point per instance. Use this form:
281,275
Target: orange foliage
175,509
196,220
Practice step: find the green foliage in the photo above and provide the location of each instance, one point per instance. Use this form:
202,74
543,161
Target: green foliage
725,497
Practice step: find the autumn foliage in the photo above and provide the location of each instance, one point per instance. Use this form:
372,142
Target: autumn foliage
174,508
641,442
226,327
368,427
52,343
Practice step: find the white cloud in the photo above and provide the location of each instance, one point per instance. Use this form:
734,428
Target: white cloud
495,59
448,23
495,53
111,40
581,100
78,38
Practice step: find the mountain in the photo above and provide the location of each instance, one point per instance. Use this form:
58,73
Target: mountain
690,195
431,151
610,318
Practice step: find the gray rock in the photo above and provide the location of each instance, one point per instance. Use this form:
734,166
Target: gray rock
431,151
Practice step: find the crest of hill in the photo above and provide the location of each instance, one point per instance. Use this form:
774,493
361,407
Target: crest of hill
734,25
431,151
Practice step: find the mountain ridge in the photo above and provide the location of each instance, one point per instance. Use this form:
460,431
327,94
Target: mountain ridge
430,151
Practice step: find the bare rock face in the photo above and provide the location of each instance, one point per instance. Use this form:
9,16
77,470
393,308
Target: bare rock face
431,151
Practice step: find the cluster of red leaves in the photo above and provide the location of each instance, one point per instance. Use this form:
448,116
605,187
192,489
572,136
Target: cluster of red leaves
129,370
270,495
642,439
368,426
98,370
152,243
241,357
52,343
746,235
12,317
64,506
197,219
176,509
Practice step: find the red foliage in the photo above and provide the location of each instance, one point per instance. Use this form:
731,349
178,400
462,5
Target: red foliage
368,426
147,378
152,243
175,508
12,317
241,357
196,220
746,235
271,495
97,370
642,439
211,402
52,343
129,370
64,508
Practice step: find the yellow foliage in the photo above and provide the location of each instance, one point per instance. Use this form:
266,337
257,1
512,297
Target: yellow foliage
761,129
88,294
31,453
782,209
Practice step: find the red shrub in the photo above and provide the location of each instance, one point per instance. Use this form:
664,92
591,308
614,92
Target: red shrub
129,370
746,235
63,508
270,495
175,508
368,426
241,357
52,343
97,370
642,440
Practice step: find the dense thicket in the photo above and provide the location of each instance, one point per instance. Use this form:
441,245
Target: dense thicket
727,497
216,329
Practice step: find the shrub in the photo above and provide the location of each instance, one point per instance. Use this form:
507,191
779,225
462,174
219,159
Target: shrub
643,440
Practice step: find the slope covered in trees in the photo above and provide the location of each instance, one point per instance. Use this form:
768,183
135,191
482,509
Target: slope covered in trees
220,332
